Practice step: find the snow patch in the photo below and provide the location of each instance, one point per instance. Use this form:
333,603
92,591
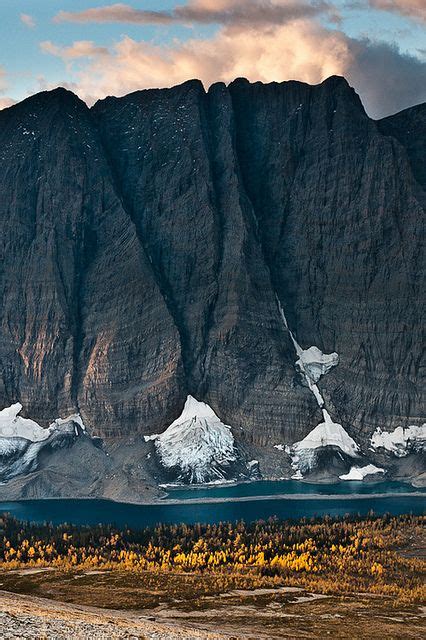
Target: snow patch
401,441
152,437
197,443
328,433
359,473
313,363
74,417
305,454
283,447
14,426
21,439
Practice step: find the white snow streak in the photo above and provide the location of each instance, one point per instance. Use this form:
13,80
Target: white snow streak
312,363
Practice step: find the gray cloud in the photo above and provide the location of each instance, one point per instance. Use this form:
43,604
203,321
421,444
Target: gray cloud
387,80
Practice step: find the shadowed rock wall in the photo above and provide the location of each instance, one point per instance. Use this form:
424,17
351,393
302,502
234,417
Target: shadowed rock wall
144,242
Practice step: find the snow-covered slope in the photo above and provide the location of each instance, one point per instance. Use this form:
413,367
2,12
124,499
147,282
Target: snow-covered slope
312,364
326,434
197,444
401,441
22,439
14,426
305,454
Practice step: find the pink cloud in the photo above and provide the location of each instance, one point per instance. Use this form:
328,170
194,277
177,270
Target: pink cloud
249,12
411,8
5,101
300,49
80,49
28,20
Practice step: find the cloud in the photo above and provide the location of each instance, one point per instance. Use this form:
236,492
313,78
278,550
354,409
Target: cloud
226,12
387,80
2,79
302,49
5,101
80,49
28,20
411,8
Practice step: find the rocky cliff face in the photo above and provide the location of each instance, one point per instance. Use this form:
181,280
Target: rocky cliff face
84,324
147,242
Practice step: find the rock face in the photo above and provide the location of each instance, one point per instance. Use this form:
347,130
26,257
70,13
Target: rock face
145,243
84,323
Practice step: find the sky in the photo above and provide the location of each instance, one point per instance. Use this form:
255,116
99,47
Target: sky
97,48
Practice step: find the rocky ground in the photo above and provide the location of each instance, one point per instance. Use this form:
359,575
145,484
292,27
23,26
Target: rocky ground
28,617
267,614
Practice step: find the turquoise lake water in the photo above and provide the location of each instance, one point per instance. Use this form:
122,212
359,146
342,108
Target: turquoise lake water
289,487
136,516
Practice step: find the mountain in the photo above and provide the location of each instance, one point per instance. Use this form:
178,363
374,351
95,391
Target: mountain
178,242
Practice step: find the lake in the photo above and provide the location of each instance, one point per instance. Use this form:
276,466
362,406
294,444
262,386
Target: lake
288,487
230,503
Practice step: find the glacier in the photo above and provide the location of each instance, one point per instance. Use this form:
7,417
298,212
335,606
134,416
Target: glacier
13,425
328,433
22,439
197,444
305,453
312,364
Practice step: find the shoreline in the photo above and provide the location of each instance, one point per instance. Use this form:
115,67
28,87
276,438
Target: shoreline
219,499
289,496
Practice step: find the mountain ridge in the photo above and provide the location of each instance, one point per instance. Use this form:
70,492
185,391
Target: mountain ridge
148,239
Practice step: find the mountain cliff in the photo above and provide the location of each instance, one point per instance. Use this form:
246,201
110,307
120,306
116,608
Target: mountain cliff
151,245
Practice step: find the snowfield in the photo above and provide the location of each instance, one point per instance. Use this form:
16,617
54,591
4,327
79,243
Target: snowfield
327,434
22,439
197,443
401,441
13,426
304,454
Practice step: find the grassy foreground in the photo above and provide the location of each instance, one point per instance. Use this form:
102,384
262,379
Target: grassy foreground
328,556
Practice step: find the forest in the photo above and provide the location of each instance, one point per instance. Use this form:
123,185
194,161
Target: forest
327,555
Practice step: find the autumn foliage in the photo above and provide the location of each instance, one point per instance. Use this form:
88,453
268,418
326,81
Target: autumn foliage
328,555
